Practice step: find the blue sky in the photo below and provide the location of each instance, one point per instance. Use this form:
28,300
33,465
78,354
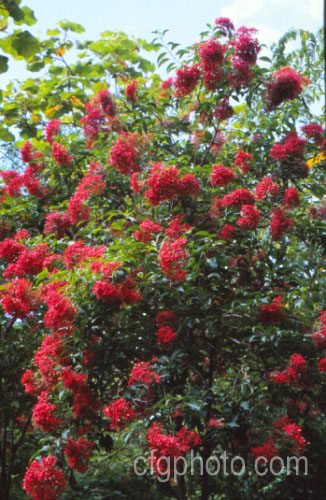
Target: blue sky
184,18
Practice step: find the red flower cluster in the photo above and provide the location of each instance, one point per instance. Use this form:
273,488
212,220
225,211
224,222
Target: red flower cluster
212,79
221,176
84,401
166,87
176,228
121,293
136,184
33,184
166,183
215,422
243,160
224,111
238,197
165,335
225,25
246,47
267,450
293,373
167,84
31,383
19,300
186,79
91,183
280,224
290,146
27,153
51,130
272,314
124,153
292,432
291,198
165,445
132,91
105,268
106,102
99,117
250,217
211,54
227,232
319,336
10,249
48,356
216,209
78,453
242,74
43,414
14,181
78,253
286,85
43,480
147,229
57,223
60,311
93,122
172,259
188,186
143,372
316,132
120,413
322,364
265,187
28,262
298,363
22,235
166,318
61,155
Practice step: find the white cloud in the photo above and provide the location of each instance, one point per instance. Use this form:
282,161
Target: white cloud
273,12
238,10
268,35
311,8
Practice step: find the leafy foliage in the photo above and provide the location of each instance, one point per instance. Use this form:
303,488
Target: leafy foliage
163,264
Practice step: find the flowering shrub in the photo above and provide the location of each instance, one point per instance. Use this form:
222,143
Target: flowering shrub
162,247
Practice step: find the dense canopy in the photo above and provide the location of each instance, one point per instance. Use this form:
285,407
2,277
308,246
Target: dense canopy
162,260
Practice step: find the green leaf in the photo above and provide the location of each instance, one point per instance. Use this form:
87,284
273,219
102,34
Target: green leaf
3,64
28,18
53,32
67,25
6,136
25,44
162,61
36,66
15,12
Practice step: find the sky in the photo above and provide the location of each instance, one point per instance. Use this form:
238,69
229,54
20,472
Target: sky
184,18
